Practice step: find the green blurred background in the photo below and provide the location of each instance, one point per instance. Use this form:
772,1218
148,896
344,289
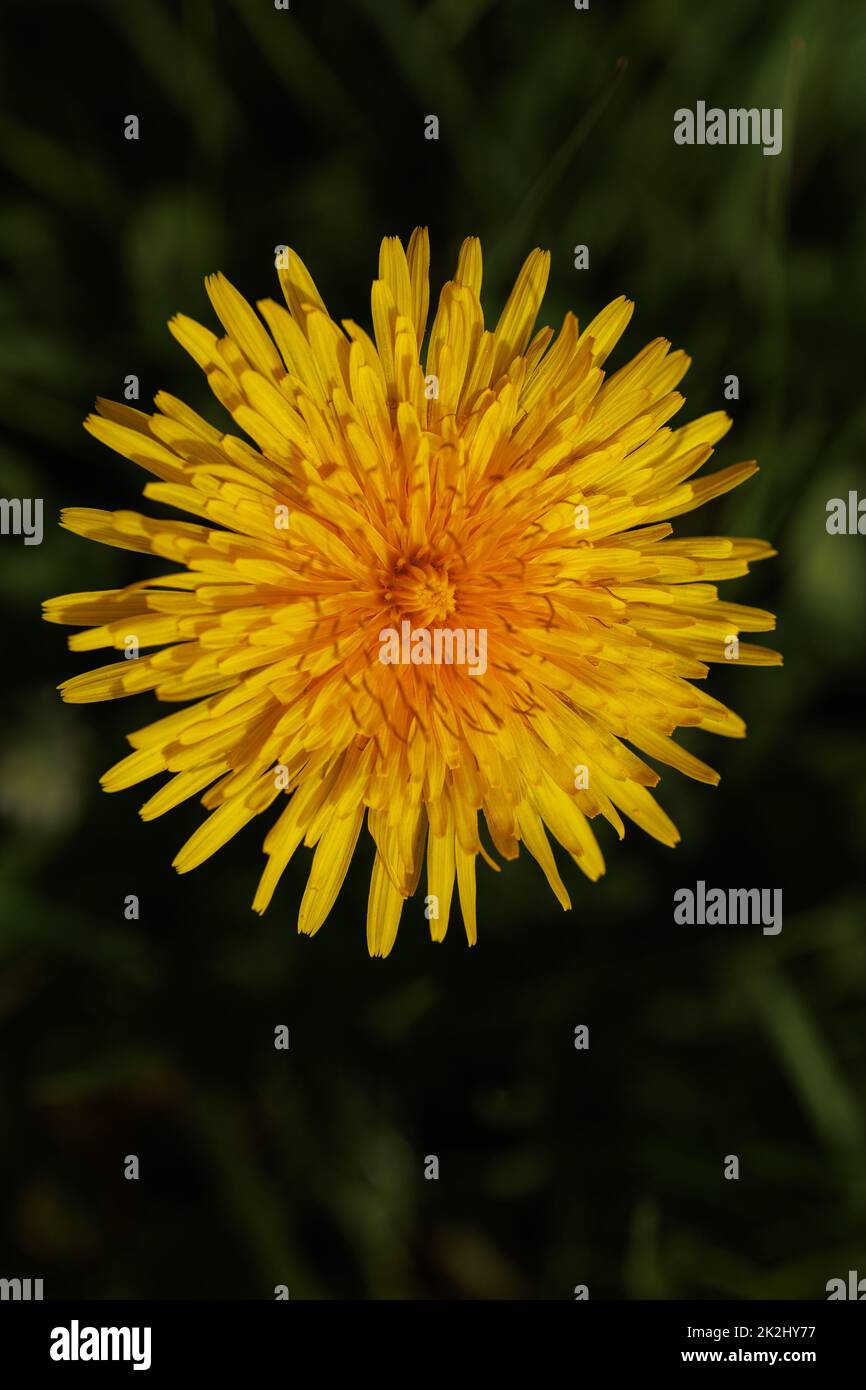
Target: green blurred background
155,1037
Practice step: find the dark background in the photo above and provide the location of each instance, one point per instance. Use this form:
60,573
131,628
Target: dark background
155,1037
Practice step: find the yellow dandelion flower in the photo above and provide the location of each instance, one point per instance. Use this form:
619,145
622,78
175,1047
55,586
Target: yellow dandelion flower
419,593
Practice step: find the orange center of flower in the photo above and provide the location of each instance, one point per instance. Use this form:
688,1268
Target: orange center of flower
421,590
